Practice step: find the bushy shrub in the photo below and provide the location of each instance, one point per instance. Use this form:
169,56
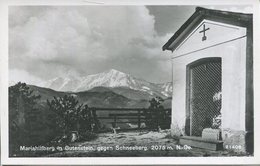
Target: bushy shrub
73,117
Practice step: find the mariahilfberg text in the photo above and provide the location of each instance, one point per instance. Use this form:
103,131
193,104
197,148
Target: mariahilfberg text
82,148
104,148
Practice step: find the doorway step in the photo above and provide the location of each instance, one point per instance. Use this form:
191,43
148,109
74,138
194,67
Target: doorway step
199,142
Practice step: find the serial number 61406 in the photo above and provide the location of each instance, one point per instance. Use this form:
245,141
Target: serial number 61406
236,147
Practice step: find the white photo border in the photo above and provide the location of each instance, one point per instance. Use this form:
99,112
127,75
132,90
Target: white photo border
6,160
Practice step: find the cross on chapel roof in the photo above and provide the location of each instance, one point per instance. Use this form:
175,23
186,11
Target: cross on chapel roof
232,18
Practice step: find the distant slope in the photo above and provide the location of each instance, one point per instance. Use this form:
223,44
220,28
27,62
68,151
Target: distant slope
98,97
119,97
127,92
46,93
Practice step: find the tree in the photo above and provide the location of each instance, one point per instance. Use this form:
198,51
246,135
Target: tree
156,116
67,109
22,116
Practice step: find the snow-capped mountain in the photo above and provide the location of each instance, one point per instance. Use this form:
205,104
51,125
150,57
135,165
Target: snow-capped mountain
111,78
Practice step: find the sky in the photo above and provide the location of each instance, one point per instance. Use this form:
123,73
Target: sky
50,41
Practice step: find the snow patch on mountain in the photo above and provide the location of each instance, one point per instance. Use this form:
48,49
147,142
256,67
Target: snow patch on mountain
166,88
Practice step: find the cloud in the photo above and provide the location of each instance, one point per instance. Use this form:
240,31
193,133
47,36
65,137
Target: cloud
22,76
50,41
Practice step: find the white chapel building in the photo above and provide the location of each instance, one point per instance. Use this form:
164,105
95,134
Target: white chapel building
212,101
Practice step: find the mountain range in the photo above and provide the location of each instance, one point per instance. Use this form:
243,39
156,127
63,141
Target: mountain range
113,79
109,89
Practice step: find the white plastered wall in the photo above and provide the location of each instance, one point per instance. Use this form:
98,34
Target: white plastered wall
231,47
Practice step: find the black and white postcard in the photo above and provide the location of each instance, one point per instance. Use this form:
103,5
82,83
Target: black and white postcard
129,82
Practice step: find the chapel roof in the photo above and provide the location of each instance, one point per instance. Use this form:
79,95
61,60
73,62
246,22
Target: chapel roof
233,18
